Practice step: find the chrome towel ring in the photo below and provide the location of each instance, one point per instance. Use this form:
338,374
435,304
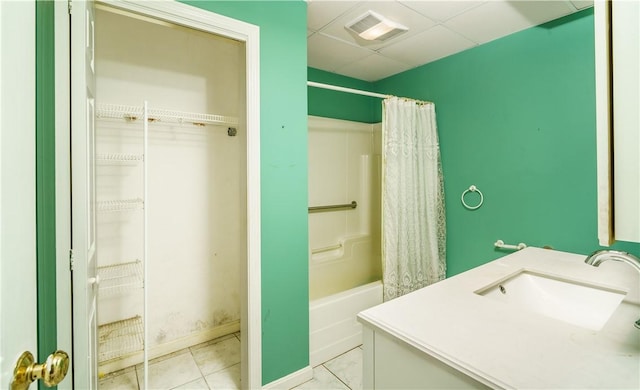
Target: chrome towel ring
472,188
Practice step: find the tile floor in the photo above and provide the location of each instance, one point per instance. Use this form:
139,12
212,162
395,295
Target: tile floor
216,365
340,373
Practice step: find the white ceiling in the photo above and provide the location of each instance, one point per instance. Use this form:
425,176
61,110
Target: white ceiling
436,29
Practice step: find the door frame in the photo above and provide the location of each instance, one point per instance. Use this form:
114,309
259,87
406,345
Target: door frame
62,88
199,19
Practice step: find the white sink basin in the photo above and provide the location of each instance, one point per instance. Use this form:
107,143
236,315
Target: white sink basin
574,302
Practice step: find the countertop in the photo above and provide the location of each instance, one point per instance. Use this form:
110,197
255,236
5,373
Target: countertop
507,347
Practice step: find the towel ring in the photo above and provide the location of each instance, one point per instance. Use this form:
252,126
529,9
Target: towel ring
472,189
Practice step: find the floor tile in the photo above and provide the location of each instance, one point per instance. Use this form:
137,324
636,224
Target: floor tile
200,384
125,380
219,362
348,367
214,356
323,379
158,359
227,379
170,373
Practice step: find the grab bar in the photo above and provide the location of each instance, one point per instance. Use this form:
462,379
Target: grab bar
501,245
326,249
320,209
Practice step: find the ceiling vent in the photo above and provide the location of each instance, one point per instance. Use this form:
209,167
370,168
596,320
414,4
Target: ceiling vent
374,27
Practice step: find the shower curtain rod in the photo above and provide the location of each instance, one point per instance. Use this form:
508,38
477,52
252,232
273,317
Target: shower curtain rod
348,90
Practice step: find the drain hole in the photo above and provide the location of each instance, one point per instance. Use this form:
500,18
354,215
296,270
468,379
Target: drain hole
502,289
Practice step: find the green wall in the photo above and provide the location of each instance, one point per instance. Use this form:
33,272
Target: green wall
45,181
283,153
341,105
516,117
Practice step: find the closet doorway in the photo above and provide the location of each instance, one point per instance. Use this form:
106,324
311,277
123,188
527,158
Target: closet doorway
172,140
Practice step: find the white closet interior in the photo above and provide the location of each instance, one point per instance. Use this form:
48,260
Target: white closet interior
195,204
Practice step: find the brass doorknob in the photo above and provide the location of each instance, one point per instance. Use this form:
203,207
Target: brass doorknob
52,371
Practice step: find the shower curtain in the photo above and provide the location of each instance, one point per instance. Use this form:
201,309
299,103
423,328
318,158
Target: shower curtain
413,216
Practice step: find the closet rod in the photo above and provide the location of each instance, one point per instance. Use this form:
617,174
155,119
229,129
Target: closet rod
347,90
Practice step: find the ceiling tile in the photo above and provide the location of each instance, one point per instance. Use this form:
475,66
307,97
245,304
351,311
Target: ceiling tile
430,45
538,12
391,10
321,13
582,4
440,10
496,19
438,28
373,67
328,54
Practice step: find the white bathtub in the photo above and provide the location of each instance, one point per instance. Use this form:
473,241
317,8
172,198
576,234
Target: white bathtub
333,328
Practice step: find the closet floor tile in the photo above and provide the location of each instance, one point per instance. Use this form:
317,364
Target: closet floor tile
199,384
122,380
217,355
170,373
228,378
161,358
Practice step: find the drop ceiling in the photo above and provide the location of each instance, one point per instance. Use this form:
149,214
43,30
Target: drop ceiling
437,29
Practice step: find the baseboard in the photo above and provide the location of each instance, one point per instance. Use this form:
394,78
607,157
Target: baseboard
292,380
171,346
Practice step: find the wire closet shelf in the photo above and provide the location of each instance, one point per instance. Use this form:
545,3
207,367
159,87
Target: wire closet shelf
120,338
118,158
108,206
119,278
161,115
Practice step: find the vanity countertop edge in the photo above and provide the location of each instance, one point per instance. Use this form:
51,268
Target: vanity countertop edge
507,347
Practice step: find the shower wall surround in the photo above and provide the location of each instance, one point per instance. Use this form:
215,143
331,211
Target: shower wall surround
344,166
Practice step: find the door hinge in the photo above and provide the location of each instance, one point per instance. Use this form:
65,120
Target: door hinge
71,258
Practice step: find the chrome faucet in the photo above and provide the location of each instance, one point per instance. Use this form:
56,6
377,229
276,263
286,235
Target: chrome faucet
600,256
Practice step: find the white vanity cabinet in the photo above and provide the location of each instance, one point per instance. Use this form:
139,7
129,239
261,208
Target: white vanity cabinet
617,54
389,363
